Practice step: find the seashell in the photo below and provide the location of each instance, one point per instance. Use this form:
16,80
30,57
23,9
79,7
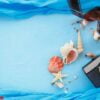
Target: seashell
56,64
66,48
91,55
71,56
79,44
96,35
69,53
84,22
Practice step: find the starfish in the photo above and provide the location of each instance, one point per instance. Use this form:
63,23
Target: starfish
58,77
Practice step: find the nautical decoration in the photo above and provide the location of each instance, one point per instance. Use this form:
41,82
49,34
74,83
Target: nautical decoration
56,64
96,32
79,44
96,35
84,22
58,77
69,53
91,55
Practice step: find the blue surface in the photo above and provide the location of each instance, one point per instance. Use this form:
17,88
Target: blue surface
27,45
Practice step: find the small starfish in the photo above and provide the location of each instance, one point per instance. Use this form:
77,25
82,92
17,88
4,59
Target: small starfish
58,77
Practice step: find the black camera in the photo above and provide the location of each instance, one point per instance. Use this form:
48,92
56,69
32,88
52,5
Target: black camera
92,70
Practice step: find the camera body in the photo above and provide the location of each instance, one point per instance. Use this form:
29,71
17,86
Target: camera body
92,71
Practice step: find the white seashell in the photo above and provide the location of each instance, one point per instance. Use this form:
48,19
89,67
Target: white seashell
96,35
66,48
84,22
69,53
71,57
79,44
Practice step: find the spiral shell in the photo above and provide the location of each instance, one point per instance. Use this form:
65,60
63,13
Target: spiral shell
79,44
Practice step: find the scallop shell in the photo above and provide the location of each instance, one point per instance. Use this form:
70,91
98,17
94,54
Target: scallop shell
56,64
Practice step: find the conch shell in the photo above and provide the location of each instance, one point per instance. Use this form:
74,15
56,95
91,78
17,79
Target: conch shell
69,53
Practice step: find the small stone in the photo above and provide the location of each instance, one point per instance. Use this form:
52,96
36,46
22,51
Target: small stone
91,55
56,64
69,81
65,90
